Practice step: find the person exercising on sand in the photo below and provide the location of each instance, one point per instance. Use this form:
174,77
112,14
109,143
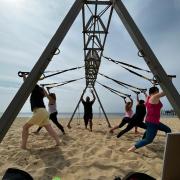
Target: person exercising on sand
88,112
137,119
40,115
128,114
53,111
153,105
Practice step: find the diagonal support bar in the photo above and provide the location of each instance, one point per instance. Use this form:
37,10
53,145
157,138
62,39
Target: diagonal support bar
69,123
148,55
109,125
21,96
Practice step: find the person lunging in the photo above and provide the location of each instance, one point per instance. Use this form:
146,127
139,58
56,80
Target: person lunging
137,119
40,115
153,105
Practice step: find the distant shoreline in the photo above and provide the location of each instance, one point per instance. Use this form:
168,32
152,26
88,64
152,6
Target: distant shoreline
80,115
77,115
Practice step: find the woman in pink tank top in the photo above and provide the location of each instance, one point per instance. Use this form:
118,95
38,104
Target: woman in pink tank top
153,106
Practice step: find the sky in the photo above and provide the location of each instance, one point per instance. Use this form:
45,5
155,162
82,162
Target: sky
26,27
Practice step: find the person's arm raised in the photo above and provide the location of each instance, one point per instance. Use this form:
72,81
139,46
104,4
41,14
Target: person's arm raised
137,97
131,101
94,97
124,100
46,94
145,94
155,98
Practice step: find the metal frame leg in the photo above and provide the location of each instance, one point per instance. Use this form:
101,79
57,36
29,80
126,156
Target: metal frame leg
18,101
148,55
69,126
109,125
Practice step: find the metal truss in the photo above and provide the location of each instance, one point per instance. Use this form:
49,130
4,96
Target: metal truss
96,20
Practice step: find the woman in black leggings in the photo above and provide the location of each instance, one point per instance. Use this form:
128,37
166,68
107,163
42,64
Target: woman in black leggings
136,120
53,111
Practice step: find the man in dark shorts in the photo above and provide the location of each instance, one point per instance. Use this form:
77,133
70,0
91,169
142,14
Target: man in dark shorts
88,114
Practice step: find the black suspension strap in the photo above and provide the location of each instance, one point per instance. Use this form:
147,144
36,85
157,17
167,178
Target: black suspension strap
123,95
59,72
20,73
126,64
140,53
128,86
53,85
133,72
48,84
137,74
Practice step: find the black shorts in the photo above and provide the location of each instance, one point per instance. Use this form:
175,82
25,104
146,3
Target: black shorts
88,116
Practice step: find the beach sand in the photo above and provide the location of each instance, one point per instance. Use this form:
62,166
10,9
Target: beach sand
82,155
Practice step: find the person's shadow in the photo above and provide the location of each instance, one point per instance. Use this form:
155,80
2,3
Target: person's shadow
53,161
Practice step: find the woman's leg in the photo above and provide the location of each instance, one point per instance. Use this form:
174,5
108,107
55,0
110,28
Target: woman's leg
53,117
124,121
149,137
112,129
164,128
25,133
90,124
85,121
142,125
136,130
52,133
128,128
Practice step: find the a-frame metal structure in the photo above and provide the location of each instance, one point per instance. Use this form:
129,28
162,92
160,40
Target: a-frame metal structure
92,55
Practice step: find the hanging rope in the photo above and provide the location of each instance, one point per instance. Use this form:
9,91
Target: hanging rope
115,91
53,85
128,86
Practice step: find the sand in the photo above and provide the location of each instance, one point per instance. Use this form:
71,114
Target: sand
82,155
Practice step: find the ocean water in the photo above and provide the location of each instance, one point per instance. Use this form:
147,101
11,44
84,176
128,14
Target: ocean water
77,115
80,115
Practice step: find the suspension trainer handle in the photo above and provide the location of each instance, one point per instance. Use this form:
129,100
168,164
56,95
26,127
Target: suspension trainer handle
20,73
143,90
172,76
136,92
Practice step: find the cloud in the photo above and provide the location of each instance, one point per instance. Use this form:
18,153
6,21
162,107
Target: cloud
26,31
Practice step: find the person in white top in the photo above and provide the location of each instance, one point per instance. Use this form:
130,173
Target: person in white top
128,114
53,111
